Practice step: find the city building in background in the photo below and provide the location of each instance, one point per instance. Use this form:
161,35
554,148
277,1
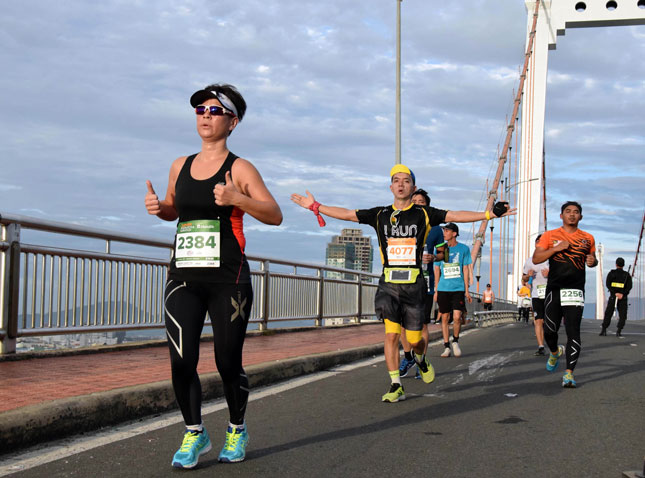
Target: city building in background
350,250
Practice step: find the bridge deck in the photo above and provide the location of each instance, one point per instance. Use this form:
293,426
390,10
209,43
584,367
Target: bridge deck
493,412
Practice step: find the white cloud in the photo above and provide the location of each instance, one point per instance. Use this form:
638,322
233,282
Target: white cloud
425,66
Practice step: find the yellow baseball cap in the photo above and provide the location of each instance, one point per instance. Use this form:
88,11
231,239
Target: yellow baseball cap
402,168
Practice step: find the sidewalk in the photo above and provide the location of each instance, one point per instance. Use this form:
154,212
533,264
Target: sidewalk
53,376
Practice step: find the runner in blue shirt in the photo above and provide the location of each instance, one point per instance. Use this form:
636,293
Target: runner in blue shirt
453,279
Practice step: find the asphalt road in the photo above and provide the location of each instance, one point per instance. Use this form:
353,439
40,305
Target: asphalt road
494,412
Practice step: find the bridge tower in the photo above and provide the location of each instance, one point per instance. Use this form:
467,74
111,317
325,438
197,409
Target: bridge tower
554,17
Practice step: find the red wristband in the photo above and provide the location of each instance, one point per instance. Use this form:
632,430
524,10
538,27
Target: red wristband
315,208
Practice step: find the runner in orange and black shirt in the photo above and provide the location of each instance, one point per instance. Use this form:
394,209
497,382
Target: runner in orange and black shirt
568,250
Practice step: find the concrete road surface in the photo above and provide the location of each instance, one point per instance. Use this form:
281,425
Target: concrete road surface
494,412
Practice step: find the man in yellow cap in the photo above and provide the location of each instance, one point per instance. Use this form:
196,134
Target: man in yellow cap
401,229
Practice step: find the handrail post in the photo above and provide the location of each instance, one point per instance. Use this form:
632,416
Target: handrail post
10,292
359,299
321,297
264,325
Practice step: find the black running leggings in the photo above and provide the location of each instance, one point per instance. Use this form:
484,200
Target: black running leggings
553,315
229,307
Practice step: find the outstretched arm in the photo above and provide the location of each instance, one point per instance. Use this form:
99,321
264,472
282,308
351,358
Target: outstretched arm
474,216
331,211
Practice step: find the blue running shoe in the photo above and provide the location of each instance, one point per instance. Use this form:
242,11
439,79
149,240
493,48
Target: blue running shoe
194,445
568,381
552,361
405,366
417,375
235,447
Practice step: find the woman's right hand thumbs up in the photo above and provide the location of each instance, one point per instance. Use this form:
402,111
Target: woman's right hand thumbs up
152,201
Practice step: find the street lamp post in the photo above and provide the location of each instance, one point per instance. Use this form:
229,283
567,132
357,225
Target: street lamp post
397,158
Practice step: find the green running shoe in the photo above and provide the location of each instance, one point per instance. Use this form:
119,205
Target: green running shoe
552,361
427,371
235,446
193,445
568,381
395,394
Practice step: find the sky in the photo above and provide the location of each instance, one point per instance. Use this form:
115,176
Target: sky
94,101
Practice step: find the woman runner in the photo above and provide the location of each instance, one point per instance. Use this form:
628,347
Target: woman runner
208,193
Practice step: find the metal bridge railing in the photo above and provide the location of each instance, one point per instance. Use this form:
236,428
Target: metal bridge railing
494,317
58,287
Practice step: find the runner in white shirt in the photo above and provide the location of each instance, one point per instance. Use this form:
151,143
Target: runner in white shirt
539,273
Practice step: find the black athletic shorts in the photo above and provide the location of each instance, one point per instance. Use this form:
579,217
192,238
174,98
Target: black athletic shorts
538,308
449,301
488,306
403,304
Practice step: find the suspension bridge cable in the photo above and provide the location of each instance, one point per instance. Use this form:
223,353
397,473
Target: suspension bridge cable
479,238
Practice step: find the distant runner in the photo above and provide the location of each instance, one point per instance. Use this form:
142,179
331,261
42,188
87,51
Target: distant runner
539,273
401,229
489,298
568,249
524,302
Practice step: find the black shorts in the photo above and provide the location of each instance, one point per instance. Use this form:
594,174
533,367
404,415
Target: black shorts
449,301
403,304
488,306
538,308
428,308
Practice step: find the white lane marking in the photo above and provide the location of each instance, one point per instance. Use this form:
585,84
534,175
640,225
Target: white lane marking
488,362
458,378
489,366
510,395
42,454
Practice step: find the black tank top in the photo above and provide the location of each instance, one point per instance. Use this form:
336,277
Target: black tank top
194,200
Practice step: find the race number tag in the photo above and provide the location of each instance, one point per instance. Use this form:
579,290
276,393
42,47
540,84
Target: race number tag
451,270
572,297
197,244
401,251
541,291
